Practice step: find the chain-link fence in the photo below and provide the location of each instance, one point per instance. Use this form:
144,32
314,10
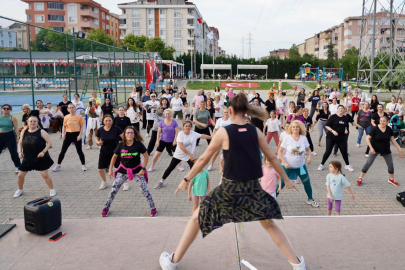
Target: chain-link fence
38,63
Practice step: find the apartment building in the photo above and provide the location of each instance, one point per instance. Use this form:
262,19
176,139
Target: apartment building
8,39
113,27
301,48
63,15
280,53
214,47
21,35
174,21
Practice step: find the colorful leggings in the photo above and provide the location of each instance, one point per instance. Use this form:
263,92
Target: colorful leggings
120,179
293,174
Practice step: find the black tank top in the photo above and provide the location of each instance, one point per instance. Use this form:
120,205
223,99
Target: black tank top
242,160
32,145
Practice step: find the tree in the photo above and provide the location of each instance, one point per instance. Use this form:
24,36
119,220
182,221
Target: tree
158,45
331,52
398,77
39,44
99,35
293,52
349,62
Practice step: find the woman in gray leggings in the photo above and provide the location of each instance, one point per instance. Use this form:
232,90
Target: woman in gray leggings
382,135
322,117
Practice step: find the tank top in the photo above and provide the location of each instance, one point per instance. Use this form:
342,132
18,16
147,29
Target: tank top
242,160
32,145
6,124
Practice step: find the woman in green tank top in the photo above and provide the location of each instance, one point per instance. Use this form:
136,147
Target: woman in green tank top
8,131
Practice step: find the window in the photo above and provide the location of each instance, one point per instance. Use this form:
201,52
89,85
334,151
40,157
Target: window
359,22
177,33
162,23
177,44
56,18
108,18
348,32
190,11
135,13
57,6
103,15
108,27
72,19
10,43
177,23
162,11
136,23
37,30
39,6
96,10
72,8
103,26
162,33
150,23
177,13
96,21
29,18
40,18
136,32
190,21
190,42
150,11
348,41
151,33
400,31
177,54
19,39
59,29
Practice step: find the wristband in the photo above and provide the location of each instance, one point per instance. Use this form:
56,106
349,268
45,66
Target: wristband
185,179
144,168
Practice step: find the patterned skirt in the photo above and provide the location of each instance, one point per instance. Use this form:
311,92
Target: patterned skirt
236,201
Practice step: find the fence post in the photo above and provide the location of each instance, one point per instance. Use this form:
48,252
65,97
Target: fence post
122,74
92,64
115,75
32,78
74,55
68,64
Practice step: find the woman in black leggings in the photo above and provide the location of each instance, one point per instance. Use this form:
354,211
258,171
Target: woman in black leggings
201,118
337,126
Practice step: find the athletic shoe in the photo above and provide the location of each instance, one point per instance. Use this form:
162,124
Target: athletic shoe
367,155
84,168
359,181
103,185
300,266
151,169
126,187
52,193
180,168
60,137
170,154
56,168
147,135
153,212
89,147
18,193
105,212
313,203
319,145
335,155
166,263
209,168
314,153
321,167
392,181
358,145
17,170
159,185
349,168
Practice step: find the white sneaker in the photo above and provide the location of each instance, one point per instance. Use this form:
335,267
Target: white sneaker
367,155
314,153
321,167
151,169
89,147
349,168
147,135
18,193
209,168
165,261
297,182
300,266
84,168
103,185
17,170
180,168
358,145
126,187
52,193
56,168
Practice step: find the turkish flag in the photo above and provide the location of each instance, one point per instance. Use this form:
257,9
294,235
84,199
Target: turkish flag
200,20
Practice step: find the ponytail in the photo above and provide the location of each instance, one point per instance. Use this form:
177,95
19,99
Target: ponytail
240,105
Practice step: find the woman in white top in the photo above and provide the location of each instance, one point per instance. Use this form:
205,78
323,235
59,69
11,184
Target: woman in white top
133,113
293,161
333,107
400,107
291,108
93,121
177,105
135,95
219,107
348,101
251,94
273,128
45,114
217,91
78,104
280,107
221,122
166,95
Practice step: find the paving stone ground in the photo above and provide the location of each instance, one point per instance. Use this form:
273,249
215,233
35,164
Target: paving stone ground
80,197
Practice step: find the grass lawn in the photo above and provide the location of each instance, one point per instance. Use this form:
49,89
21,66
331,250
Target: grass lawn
209,85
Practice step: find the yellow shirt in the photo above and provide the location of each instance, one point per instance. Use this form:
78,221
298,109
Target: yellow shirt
73,123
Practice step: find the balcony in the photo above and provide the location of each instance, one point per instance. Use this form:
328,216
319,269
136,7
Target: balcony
189,26
327,36
190,37
122,37
190,16
89,24
123,26
88,12
190,47
123,17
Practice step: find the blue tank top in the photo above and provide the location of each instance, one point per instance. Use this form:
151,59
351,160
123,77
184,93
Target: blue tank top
242,160
6,124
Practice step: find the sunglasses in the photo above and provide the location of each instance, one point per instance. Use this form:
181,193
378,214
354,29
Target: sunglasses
129,133
6,108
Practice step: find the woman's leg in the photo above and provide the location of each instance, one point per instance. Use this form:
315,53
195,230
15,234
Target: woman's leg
367,165
310,142
150,124
276,138
343,149
136,126
20,179
66,143
190,164
47,178
119,180
206,131
368,130
90,138
360,136
390,164
268,137
78,145
196,203
11,143
329,147
101,172
311,114
152,142
196,129
156,157
140,180
171,167
307,183
144,121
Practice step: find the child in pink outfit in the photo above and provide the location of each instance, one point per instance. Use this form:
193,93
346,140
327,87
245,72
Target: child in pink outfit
269,180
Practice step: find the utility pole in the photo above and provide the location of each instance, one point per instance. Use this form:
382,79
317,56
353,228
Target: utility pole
250,45
195,59
243,47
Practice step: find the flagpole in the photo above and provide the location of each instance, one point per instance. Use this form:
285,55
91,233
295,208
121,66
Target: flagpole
213,59
202,62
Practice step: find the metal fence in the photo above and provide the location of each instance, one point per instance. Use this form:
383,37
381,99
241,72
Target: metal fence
38,63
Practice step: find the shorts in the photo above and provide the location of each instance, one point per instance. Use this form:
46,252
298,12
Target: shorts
163,145
199,196
274,194
187,115
338,204
179,113
104,160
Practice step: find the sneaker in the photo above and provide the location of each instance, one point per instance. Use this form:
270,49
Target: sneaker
321,167
180,168
300,266
105,212
392,181
358,145
170,154
335,154
166,263
147,135
60,137
103,185
56,168
209,168
126,187
52,193
159,185
17,170
153,212
18,193
349,168
319,144
89,147
314,153
359,181
84,168
367,155
313,203
151,169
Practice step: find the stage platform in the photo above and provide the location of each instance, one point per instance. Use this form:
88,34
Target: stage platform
347,242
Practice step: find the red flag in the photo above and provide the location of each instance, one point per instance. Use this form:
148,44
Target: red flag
200,20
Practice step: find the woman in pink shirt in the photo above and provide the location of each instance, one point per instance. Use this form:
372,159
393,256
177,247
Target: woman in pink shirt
198,98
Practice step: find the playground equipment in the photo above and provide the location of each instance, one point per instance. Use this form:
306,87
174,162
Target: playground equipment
311,74
331,74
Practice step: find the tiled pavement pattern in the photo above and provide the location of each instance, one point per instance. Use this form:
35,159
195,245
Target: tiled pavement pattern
80,197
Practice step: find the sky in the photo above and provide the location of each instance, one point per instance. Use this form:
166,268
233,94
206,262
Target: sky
273,24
